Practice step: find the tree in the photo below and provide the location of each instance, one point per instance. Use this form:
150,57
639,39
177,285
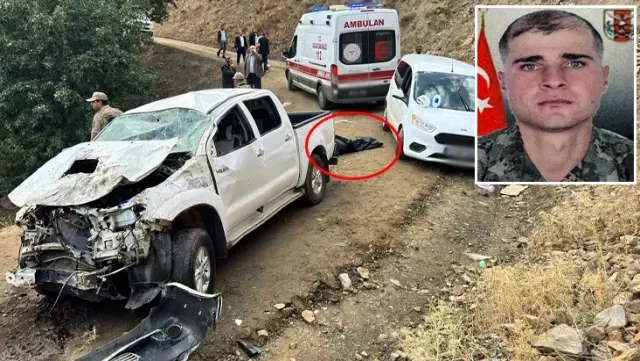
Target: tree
53,55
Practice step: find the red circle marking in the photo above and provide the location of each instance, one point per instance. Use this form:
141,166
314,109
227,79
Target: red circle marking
353,178
382,50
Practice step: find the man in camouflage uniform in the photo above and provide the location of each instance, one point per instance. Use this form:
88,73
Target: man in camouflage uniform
104,113
554,79
240,81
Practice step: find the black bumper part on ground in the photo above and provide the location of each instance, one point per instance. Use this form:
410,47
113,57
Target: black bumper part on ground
171,332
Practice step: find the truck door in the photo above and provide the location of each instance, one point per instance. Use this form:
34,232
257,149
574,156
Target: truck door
279,166
234,164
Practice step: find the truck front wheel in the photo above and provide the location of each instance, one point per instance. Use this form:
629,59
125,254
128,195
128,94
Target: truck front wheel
315,184
194,262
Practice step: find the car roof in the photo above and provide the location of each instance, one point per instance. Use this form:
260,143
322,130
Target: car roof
203,101
425,62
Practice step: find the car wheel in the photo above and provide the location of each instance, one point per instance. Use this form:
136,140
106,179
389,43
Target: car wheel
290,84
384,126
193,258
401,144
323,102
315,184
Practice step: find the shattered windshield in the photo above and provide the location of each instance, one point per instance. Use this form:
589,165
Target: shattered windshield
187,125
445,91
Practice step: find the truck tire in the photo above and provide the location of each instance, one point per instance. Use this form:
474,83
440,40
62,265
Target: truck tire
323,102
193,261
290,84
315,184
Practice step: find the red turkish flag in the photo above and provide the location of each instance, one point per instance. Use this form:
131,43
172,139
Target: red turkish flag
489,106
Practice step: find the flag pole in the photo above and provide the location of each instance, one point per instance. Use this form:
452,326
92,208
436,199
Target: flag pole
482,11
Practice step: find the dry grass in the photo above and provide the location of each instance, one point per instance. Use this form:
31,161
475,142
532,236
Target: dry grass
532,297
444,334
592,215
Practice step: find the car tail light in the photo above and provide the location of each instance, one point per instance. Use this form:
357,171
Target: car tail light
334,75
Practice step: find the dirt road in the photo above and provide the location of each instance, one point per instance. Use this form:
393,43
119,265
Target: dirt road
409,225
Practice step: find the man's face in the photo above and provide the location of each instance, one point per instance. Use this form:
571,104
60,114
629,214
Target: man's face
419,50
554,82
96,105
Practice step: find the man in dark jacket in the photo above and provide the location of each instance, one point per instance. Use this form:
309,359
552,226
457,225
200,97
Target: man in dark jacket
228,71
241,47
264,50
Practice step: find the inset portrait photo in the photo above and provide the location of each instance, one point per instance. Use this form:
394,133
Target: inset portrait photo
556,94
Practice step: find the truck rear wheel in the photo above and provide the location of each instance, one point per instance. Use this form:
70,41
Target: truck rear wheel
193,261
315,184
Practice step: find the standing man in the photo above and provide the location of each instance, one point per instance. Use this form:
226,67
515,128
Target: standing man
264,50
253,38
222,41
554,79
228,71
253,69
241,47
418,49
104,113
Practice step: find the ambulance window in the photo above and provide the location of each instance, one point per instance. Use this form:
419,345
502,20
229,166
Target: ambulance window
382,47
353,48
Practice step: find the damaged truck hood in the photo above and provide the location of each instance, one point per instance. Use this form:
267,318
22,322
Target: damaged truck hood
89,171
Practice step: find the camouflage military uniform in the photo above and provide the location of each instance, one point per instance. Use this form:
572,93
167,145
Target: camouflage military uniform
502,158
102,118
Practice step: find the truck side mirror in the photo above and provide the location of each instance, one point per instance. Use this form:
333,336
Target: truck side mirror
285,53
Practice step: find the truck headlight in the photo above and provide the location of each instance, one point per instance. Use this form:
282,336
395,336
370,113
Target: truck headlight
123,219
422,124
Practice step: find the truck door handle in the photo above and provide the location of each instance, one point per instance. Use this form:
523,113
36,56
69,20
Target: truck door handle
376,69
260,152
288,138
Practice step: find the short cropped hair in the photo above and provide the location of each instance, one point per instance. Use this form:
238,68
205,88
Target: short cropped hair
547,22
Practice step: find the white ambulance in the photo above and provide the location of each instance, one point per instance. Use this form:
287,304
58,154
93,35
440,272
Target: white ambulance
344,54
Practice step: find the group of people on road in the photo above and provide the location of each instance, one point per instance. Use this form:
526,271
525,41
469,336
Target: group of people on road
255,60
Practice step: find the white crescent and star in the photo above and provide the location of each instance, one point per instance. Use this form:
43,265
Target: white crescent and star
482,104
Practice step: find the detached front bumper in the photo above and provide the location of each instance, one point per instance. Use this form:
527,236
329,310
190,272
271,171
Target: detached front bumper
83,284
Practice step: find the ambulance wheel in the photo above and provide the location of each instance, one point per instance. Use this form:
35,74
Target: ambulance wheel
290,82
323,102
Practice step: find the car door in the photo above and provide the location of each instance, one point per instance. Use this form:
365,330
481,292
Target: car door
403,105
279,165
235,162
396,105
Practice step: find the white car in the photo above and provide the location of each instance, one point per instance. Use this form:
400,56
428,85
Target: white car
431,103
163,191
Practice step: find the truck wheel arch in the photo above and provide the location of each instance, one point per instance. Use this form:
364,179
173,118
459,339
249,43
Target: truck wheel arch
319,150
196,217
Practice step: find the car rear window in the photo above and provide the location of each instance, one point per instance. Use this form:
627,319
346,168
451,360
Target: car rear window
367,47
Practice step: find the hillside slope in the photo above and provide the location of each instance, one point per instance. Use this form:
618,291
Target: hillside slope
441,27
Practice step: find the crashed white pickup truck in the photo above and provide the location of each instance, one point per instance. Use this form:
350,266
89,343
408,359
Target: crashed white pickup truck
163,191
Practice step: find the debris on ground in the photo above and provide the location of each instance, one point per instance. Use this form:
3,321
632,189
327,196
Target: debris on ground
182,319
249,348
513,190
308,316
